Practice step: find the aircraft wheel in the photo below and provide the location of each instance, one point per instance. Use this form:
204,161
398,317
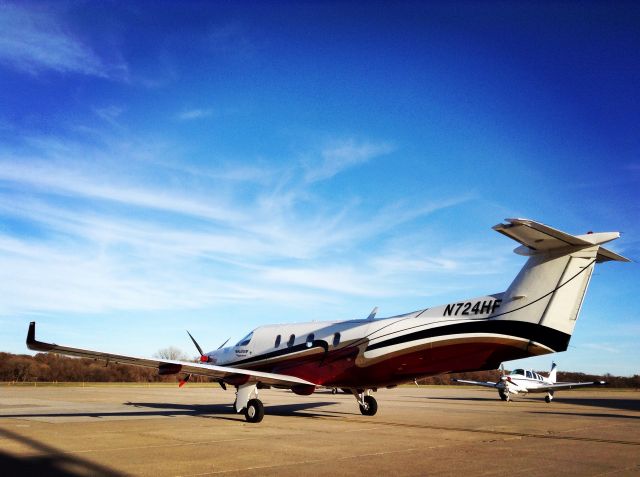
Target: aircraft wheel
503,396
547,399
254,412
371,406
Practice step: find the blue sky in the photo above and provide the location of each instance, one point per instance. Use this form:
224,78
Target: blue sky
218,166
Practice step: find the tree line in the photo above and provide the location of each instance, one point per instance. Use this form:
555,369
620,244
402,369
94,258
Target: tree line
55,368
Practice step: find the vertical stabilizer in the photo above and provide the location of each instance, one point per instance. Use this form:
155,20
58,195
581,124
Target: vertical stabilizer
552,373
550,288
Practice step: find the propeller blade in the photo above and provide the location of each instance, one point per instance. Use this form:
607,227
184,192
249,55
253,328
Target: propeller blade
223,343
195,343
184,381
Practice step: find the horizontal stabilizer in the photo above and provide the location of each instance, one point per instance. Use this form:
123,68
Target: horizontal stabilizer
537,237
604,255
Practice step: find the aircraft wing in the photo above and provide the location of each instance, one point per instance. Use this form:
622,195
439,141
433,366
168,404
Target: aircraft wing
556,386
168,366
487,384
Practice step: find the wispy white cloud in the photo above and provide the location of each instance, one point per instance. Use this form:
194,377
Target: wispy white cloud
161,236
606,347
343,155
47,177
110,114
34,40
191,114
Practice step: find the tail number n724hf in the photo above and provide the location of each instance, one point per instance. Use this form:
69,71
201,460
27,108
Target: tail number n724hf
469,308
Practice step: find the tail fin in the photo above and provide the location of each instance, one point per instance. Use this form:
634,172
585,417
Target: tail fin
552,373
551,286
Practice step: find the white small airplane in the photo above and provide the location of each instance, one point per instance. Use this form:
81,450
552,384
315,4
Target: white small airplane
523,381
535,315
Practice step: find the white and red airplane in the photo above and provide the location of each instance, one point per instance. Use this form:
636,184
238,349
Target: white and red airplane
524,381
534,316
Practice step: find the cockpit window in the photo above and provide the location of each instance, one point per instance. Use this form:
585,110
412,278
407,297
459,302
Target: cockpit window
529,374
519,371
245,341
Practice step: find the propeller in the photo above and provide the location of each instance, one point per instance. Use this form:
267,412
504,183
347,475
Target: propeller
203,359
224,343
503,377
503,384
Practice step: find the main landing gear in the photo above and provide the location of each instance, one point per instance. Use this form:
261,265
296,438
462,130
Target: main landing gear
367,403
549,397
247,401
254,412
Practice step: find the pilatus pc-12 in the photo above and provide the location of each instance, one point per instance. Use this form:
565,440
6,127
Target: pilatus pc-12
534,316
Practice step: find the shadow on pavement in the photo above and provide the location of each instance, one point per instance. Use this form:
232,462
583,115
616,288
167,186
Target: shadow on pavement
211,411
48,461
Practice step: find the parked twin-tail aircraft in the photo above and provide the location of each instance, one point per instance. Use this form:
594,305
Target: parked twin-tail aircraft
534,316
524,381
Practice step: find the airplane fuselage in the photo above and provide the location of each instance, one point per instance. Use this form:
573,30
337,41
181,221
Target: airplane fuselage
366,353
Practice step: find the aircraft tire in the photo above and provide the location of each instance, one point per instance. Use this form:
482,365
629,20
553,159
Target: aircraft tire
503,396
371,406
547,399
254,412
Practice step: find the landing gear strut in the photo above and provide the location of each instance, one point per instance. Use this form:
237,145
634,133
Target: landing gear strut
367,403
549,397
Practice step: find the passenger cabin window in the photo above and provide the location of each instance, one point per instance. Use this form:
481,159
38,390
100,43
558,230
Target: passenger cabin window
278,339
246,340
336,339
529,374
292,338
310,339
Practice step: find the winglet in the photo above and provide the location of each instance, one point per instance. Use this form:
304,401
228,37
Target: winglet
34,344
31,334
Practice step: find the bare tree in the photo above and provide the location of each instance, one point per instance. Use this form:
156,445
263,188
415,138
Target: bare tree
172,353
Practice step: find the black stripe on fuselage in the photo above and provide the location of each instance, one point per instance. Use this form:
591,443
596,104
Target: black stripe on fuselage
549,337
282,352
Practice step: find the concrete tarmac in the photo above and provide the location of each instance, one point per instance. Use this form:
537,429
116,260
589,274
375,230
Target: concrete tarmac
166,431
